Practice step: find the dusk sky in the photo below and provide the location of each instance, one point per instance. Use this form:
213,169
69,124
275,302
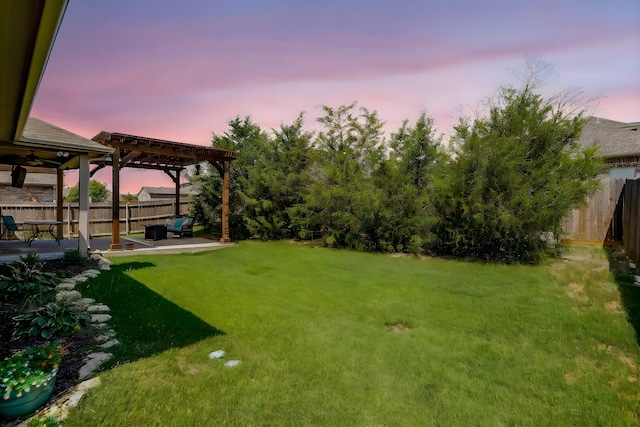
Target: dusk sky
181,70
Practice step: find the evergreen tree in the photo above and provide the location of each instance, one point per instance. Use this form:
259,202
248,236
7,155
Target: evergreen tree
248,140
406,216
341,202
277,182
515,176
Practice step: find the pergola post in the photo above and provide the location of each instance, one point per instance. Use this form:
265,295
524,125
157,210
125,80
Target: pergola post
224,237
115,201
83,215
59,202
176,208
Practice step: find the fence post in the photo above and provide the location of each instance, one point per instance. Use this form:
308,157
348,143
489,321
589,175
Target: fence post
68,220
126,218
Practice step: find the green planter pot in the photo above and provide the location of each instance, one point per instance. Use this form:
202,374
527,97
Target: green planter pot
29,401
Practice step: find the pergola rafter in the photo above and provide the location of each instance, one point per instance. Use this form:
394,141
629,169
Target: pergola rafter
171,157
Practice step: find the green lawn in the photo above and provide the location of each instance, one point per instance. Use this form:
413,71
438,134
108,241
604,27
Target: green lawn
340,338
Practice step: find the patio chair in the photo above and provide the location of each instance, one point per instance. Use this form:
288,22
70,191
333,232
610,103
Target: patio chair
10,226
181,226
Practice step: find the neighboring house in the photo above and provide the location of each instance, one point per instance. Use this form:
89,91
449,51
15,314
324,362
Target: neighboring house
39,186
619,145
147,194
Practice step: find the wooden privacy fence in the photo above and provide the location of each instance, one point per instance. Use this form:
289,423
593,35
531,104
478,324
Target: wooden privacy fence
631,220
611,216
133,215
592,223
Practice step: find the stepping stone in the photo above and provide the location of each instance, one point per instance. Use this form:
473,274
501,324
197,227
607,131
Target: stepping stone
110,344
88,301
219,354
98,308
100,318
93,363
65,286
68,296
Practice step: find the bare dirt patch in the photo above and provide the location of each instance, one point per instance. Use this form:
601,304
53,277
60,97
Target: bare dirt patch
576,291
399,326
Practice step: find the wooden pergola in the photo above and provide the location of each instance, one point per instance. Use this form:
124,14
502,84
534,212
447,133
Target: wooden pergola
168,156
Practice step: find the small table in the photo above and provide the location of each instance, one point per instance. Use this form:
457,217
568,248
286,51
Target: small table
155,231
39,227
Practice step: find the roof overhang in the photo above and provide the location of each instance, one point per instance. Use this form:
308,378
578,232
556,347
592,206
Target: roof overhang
48,146
28,29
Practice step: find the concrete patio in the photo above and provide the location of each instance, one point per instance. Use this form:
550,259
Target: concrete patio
12,250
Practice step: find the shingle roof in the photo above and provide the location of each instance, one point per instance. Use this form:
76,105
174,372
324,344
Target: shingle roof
615,139
40,133
167,190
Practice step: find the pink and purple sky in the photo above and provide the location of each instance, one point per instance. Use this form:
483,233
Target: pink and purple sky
181,70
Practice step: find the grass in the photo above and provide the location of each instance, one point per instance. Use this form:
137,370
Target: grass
340,338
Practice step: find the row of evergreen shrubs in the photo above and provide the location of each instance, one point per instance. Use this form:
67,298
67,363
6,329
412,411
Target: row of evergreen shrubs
505,183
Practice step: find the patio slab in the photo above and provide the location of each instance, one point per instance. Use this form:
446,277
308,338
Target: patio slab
12,250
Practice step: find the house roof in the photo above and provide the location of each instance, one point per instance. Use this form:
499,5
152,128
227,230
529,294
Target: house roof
615,139
45,145
166,191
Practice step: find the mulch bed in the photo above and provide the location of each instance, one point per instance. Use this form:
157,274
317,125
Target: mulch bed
76,345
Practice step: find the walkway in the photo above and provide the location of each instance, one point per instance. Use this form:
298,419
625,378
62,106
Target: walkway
11,250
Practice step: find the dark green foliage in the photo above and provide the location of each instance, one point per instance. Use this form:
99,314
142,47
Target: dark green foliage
277,182
404,180
247,140
57,318
26,279
98,192
515,175
73,257
342,201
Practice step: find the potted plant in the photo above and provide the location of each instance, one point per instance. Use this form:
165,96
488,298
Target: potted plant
27,378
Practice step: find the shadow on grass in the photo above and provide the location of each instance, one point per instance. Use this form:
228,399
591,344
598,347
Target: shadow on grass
629,292
145,322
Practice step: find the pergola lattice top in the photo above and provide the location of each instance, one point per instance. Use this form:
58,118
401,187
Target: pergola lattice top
150,153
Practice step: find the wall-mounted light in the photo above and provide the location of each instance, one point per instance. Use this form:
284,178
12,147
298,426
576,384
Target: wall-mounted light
63,154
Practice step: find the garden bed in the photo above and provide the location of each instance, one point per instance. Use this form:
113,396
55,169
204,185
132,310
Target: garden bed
76,345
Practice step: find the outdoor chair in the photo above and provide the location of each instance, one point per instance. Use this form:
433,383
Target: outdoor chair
181,226
10,226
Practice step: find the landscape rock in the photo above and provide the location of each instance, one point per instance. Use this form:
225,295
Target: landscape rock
65,286
218,354
106,336
91,273
98,308
232,363
100,318
94,360
68,296
110,344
